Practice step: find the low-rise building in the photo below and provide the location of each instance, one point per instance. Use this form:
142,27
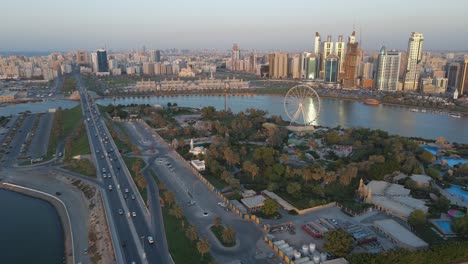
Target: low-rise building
400,235
198,164
422,181
7,97
391,198
254,203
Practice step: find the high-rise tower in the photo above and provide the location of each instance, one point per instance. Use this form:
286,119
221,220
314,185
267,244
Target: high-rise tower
102,65
317,43
413,66
327,50
351,64
464,79
340,52
332,68
388,66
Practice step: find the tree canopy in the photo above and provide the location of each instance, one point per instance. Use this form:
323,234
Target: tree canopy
338,242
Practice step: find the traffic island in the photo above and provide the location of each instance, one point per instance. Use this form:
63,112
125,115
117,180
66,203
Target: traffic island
225,236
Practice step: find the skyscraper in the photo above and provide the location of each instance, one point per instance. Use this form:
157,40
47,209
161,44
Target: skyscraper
464,79
235,56
278,65
332,68
102,65
158,56
413,66
388,66
310,66
296,66
155,55
327,50
317,43
253,62
340,52
351,64
454,75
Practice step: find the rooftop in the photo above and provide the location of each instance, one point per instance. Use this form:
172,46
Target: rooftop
336,261
253,201
421,178
399,233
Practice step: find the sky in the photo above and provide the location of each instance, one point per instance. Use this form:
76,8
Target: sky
282,25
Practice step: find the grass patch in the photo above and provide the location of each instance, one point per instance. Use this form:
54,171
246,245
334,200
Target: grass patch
218,232
129,162
181,248
427,234
217,183
80,146
71,119
82,166
300,204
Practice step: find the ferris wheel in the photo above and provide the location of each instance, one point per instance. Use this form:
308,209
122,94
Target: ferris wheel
302,105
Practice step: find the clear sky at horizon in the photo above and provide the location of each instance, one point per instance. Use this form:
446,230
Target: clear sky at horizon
48,25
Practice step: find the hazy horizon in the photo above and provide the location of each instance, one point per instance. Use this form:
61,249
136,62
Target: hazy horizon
52,25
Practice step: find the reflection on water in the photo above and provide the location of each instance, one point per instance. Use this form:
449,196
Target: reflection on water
333,112
394,119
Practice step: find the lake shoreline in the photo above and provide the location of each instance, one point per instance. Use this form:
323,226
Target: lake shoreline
60,210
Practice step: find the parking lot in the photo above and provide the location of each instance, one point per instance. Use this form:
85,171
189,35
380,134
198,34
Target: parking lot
312,227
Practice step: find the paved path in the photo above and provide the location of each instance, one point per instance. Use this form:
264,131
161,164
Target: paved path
71,197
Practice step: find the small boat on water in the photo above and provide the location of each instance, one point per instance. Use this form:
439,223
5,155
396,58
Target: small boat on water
371,101
423,111
414,110
455,115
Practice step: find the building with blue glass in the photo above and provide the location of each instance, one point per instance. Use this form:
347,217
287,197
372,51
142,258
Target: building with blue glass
102,65
332,63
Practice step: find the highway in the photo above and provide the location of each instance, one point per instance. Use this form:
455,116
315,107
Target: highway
130,221
186,186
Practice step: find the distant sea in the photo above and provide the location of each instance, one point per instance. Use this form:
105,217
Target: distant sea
25,53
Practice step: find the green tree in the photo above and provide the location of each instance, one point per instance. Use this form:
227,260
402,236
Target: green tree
270,207
231,157
294,189
229,235
136,167
251,168
169,197
192,233
427,157
417,218
208,112
176,211
442,204
332,138
460,225
338,242
203,246
217,221
277,135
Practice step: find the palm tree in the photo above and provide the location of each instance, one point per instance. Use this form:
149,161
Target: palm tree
176,211
203,246
217,221
192,233
169,197
229,235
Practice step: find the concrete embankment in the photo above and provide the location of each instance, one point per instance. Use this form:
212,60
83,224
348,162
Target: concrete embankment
59,207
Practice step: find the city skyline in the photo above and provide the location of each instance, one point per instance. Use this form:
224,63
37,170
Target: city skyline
208,24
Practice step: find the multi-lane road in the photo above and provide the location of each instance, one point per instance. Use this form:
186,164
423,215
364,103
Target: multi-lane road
180,178
130,220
